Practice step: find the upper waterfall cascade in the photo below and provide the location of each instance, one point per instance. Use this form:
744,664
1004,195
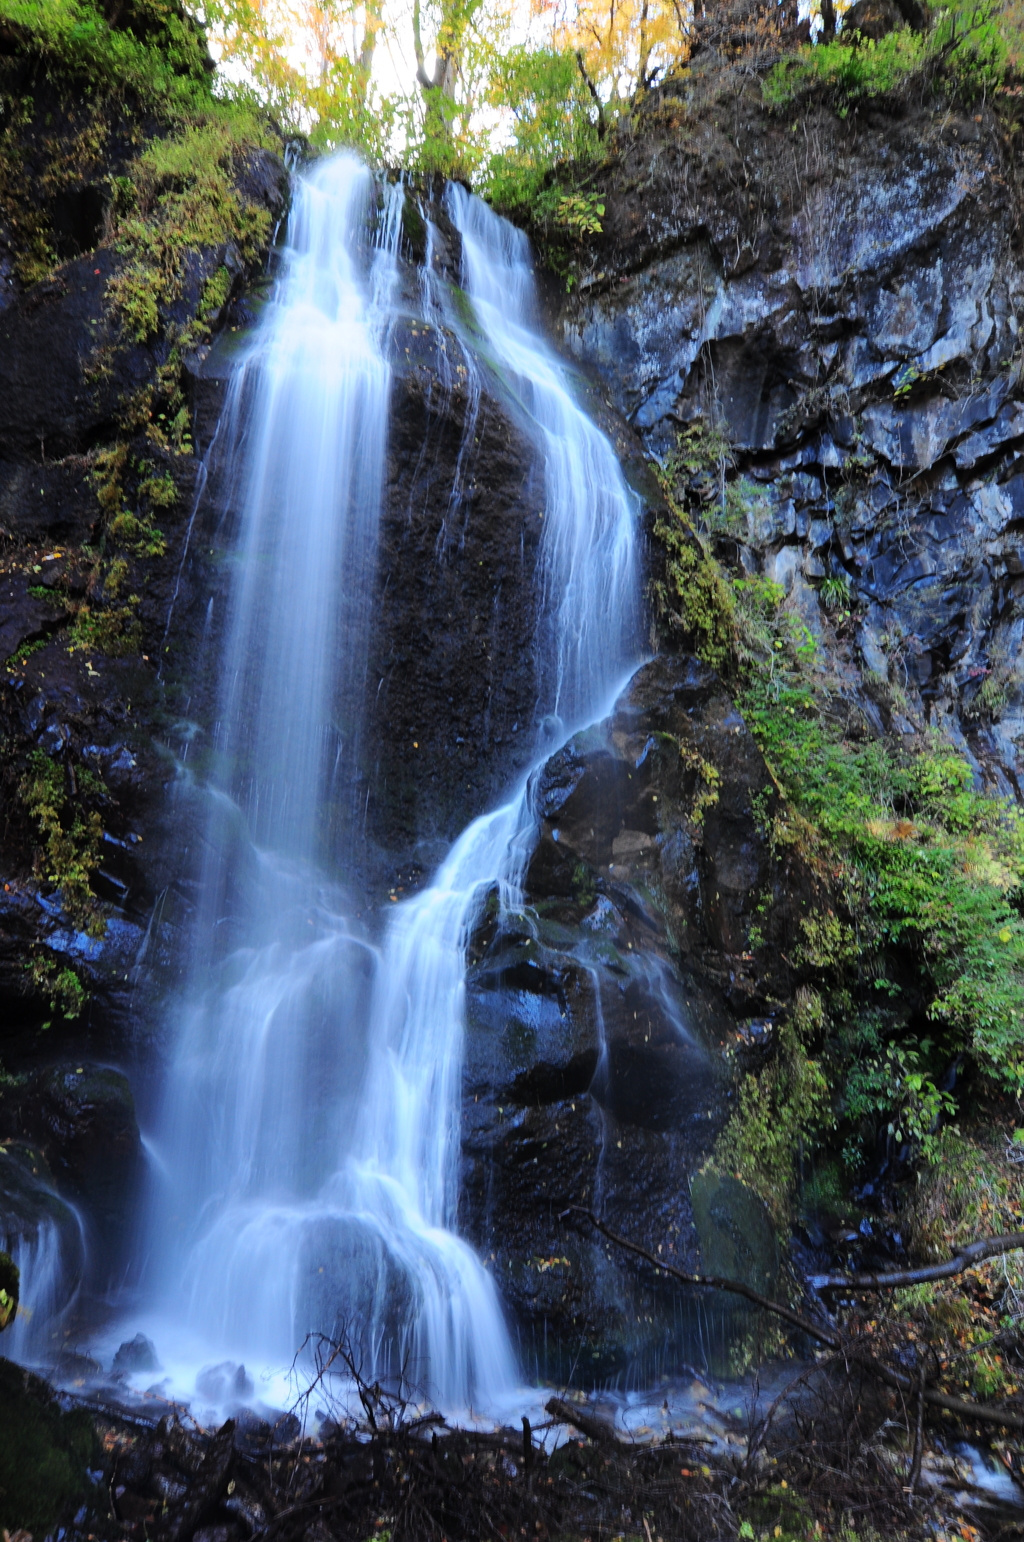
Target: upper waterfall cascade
308,1140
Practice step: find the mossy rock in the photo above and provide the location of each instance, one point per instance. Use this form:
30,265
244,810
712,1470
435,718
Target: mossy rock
737,1238
9,1281
45,1454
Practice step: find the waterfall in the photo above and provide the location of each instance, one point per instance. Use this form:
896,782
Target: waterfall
312,1118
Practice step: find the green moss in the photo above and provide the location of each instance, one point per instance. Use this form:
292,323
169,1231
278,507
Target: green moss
693,598
780,1108
9,1290
160,490
138,534
185,198
71,836
45,1455
114,630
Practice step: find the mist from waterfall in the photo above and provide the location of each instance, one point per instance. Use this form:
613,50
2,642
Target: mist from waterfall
310,1134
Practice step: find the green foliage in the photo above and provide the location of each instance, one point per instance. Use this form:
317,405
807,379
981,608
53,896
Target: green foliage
22,654
139,535
553,125
966,48
835,592
691,597
888,1081
185,199
45,1454
782,1106
847,71
60,984
71,836
925,869
931,867
158,54
702,451
113,630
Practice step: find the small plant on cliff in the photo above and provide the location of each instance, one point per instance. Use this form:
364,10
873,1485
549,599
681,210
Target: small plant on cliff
71,837
781,1108
965,49
60,984
692,598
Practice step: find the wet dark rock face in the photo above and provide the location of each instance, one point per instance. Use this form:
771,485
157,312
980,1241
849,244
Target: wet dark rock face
843,299
78,1124
452,692
595,1074
95,715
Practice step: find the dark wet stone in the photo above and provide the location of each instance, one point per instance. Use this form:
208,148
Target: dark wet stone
225,1382
137,1355
84,1118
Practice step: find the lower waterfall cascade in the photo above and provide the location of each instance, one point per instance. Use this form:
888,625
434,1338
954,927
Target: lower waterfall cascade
306,1151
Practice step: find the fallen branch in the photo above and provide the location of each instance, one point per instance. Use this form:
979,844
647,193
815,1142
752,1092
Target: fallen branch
816,1330
595,1429
824,1333
967,1258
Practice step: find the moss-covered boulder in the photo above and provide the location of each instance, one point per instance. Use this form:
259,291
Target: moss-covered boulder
9,1290
737,1238
45,1454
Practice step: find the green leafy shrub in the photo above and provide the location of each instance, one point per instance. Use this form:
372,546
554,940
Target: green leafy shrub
160,57
966,47
552,125
60,984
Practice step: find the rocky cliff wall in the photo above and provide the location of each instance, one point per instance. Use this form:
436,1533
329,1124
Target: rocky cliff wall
841,299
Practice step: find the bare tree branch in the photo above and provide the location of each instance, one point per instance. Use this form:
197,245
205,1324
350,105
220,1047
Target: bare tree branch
824,1333
601,123
967,1258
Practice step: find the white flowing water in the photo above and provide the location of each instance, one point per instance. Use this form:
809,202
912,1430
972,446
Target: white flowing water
312,1122
42,1264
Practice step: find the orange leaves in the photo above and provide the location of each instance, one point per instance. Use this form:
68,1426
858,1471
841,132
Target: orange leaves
623,45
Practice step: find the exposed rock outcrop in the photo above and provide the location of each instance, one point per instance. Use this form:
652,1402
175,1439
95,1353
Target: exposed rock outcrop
840,298
602,1020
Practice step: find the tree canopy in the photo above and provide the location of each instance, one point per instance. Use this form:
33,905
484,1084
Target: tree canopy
451,85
